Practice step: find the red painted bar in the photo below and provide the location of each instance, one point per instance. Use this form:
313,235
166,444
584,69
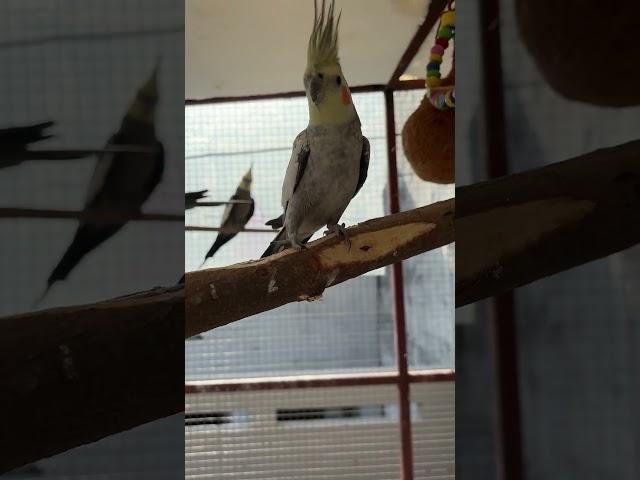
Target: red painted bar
403,85
404,402
509,456
314,381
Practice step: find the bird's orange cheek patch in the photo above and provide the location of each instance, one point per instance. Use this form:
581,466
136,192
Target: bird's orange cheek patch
346,96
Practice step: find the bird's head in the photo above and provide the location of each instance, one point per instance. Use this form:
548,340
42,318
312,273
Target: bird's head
143,107
245,184
327,91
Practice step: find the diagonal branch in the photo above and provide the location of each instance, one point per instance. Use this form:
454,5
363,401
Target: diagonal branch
74,375
527,226
219,296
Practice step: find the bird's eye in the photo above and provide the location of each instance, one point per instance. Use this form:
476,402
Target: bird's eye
339,80
320,76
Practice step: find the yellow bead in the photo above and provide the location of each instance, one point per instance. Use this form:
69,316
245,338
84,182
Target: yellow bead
433,82
435,57
448,19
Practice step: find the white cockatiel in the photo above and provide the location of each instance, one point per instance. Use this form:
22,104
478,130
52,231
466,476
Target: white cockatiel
330,158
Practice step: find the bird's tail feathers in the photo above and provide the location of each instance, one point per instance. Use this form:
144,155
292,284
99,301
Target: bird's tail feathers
26,135
276,223
221,239
277,245
88,236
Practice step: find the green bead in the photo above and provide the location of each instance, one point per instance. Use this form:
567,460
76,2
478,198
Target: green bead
445,32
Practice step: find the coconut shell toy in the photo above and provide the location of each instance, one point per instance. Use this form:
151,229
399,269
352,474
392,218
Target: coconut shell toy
428,135
585,49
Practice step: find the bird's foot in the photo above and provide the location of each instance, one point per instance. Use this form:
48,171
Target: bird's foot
298,246
295,245
280,242
341,233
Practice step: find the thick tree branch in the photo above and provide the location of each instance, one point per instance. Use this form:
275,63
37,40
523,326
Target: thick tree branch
219,296
71,376
523,227
77,374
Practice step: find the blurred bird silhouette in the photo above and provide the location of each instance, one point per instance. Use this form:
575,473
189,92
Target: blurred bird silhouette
235,215
15,143
191,198
121,182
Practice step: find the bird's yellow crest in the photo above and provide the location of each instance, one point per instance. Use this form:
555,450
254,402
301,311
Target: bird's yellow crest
143,106
323,43
245,184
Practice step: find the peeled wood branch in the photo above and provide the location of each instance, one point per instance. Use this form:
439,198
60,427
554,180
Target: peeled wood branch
523,227
216,297
74,375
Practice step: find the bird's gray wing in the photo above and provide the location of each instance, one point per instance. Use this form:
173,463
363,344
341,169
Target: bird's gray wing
364,164
250,213
226,214
297,165
101,172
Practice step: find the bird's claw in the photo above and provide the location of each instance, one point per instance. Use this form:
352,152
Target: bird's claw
295,246
341,233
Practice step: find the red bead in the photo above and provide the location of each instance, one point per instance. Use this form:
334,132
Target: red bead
443,42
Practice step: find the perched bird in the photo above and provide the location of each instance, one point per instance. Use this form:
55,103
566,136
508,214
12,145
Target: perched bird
15,142
191,198
330,158
235,215
121,182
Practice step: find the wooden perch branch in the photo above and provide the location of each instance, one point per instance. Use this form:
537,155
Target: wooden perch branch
523,227
216,297
71,376
77,374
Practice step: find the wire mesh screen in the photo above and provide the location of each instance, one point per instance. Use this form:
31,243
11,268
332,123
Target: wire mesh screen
577,374
79,64
331,432
575,329
433,430
351,327
315,434
429,293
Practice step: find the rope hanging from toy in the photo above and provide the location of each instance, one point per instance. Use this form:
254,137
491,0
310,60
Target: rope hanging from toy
441,97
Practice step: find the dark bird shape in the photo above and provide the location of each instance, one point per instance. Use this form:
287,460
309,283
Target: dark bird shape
235,215
191,198
15,143
121,182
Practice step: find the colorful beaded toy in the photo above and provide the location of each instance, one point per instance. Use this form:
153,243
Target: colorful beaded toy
443,98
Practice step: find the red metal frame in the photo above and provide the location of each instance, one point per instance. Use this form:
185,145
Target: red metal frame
402,360
401,377
502,330
315,381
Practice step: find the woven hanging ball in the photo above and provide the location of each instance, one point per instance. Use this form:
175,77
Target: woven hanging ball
586,49
428,141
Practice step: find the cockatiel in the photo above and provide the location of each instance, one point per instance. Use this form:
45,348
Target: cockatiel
15,142
191,198
121,181
330,158
235,215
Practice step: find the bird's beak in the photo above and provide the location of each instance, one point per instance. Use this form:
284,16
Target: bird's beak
315,89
